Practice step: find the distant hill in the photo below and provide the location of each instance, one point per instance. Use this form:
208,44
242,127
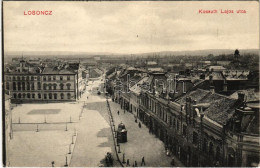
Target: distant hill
202,52
65,54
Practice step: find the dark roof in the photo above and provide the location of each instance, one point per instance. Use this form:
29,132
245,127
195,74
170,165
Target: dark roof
54,70
221,108
195,95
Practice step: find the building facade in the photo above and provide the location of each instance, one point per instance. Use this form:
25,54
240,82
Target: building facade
53,84
199,126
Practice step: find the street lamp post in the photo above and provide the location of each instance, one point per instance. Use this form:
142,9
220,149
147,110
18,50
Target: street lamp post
75,133
123,158
66,127
37,129
69,149
119,149
66,164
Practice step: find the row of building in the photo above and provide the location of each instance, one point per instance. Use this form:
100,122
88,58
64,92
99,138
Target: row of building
208,118
52,81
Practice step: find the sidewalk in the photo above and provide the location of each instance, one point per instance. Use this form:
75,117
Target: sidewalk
140,143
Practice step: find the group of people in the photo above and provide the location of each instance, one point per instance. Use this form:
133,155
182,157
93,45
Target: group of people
109,159
135,163
139,124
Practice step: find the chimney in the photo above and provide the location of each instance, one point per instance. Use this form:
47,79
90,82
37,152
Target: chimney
225,85
202,76
211,79
241,97
194,102
212,89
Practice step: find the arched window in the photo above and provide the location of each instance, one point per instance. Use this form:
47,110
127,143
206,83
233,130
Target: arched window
19,96
14,78
39,85
44,78
210,147
61,96
19,85
61,86
7,86
33,95
55,95
14,95
50,96
45,96
205,144
27,77
24,95
32,78
28,95
44,86
14,85
218,153
39,96
23,85
68,86
54,86
68,96
18,77
28,86
32,86
61,77
23,78
195,138
49,85
49,78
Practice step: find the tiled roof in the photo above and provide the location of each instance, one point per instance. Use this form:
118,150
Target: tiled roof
220,109
54,70
138,86
195,95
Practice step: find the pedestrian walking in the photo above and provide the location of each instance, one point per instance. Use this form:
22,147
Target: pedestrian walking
135,163
118,112
52,163
139,125
172,162
143,162
127,162
87,97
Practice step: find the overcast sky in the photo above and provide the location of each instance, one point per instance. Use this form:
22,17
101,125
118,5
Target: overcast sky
129,27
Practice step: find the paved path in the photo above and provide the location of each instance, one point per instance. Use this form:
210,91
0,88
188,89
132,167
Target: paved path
140,142
91,145
94,138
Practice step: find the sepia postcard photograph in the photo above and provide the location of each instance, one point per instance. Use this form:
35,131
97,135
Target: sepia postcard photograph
130,84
